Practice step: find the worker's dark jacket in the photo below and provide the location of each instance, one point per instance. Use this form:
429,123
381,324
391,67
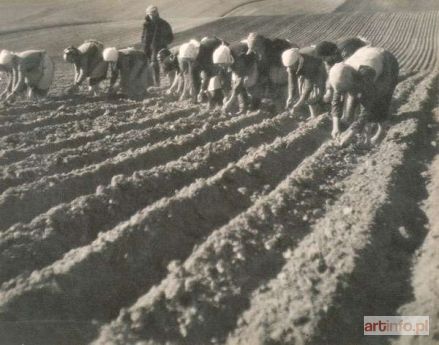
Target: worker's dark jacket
156,35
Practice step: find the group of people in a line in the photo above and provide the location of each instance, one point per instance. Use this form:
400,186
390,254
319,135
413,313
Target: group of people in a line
30,73
357,79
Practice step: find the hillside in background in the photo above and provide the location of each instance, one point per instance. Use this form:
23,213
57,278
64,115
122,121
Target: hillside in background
31,14
27,24
43,13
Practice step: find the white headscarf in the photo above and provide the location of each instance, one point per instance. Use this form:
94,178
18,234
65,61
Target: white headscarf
6,57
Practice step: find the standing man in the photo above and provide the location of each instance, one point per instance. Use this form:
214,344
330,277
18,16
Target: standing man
156,35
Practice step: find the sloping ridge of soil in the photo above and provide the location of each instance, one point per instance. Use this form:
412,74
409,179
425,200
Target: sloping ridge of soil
425,276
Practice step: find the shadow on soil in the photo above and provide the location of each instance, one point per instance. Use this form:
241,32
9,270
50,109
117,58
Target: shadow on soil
381,282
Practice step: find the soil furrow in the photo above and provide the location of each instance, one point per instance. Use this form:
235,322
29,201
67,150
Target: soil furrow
63,161
96,118
58,118
199,301
123,262
118,124
28,111
22,203
61,124
25,247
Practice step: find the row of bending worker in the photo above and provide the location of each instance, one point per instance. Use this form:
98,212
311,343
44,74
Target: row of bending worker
31,72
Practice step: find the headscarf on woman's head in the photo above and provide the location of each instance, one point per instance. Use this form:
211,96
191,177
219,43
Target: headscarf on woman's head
6,57
110,54
152,11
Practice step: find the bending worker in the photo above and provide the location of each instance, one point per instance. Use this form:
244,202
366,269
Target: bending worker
29,72
132,66
89,64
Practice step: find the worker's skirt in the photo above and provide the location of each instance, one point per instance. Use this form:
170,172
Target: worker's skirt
99,73
318,86
134,79
40,79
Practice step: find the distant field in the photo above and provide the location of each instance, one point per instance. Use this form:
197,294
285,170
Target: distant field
17,15
412,36
389,5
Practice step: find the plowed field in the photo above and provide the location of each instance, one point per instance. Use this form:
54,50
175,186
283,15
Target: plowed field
160,222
